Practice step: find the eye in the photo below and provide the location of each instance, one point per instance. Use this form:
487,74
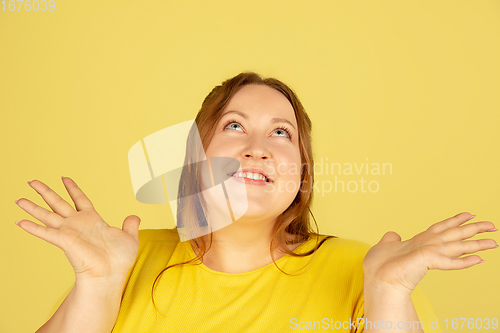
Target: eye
284,131
232,124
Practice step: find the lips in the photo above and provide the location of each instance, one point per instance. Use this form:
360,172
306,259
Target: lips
253,170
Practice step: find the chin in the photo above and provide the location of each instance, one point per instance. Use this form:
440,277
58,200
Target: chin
256,214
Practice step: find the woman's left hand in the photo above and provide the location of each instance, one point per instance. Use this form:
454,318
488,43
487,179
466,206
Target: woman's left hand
401,265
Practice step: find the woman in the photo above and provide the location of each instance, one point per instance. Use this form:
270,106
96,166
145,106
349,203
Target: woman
267,271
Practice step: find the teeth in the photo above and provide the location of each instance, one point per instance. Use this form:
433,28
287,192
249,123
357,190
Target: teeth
250,175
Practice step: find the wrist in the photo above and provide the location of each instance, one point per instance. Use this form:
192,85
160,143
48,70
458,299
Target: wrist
376,287
103,285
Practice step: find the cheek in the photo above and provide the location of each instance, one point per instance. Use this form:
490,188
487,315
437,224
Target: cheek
213,149
290,164
222,148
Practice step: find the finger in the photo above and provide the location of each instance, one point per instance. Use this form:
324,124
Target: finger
445,263
459,248
466,231
452,222
79,198
43,215
131,226
47,234
390,236
55,202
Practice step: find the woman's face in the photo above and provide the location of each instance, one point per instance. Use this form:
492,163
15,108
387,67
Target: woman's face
258,128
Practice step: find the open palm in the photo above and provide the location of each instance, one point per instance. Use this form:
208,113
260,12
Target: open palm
93,248
403,264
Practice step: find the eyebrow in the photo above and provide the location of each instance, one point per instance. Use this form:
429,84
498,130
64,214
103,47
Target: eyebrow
273,120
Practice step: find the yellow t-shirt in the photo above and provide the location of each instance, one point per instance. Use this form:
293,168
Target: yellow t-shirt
326,294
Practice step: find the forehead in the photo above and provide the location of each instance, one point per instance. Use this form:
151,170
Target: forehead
261,100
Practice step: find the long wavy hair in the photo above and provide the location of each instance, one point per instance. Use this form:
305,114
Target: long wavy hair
295,220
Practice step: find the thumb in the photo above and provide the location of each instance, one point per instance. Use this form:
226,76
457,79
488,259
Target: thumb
131,226
390,236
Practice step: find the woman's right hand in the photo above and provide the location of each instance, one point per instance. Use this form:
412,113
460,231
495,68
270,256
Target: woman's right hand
94,249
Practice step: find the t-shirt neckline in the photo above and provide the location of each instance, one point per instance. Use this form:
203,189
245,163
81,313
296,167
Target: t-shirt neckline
192,254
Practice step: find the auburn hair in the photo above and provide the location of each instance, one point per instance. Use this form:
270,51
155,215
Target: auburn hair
295,220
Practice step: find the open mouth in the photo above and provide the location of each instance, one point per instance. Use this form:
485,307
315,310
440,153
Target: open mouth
251,176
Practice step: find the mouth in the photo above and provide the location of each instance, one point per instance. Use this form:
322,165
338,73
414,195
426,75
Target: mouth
251,176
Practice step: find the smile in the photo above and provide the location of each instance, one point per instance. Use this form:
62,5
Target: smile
251,178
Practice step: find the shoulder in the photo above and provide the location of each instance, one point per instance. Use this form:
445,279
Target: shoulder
332,245
158,237
337,254
158,234
156,247
347,246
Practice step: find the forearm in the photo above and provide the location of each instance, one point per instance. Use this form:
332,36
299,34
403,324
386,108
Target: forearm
91,306
389,310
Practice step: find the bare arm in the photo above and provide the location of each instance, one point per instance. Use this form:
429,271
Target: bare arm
387,310
91,306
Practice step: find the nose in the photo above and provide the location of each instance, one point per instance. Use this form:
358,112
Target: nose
257,148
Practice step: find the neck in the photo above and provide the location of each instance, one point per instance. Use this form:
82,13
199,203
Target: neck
242,246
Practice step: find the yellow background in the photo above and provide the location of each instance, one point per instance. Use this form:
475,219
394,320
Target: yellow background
411,83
